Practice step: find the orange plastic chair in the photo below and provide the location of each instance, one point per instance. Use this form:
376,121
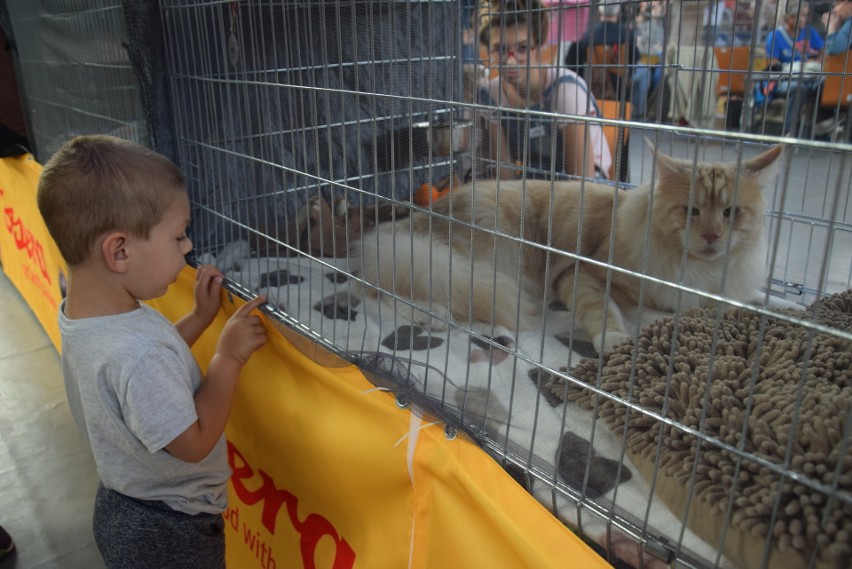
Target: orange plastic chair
613,57
618,111
609,61
733,66
549,53
837,87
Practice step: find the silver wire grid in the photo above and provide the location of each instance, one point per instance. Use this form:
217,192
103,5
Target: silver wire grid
76,77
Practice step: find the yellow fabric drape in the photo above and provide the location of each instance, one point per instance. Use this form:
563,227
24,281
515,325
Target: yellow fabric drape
29,255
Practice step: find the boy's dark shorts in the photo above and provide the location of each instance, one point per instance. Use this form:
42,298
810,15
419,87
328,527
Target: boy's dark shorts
141,534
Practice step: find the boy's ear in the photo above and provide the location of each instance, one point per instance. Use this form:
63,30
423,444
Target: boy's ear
114,248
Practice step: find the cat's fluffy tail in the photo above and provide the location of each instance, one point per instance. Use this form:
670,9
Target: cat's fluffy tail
396,262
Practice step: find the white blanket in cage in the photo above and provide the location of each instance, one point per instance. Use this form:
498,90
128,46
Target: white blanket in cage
490,379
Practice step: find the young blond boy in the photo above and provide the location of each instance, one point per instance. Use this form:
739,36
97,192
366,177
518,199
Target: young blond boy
119,213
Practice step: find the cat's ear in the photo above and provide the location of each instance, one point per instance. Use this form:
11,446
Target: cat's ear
666,165
766,165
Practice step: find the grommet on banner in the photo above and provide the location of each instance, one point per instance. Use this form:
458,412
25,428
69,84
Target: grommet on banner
400,402
450,432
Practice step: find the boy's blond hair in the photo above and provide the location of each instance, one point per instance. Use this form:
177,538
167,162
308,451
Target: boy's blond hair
96,184
495,14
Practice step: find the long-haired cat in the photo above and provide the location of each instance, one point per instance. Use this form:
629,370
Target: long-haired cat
496,252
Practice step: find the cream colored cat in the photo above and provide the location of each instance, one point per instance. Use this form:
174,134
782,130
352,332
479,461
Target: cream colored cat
496,252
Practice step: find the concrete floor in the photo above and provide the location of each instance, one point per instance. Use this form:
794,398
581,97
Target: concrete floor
47,474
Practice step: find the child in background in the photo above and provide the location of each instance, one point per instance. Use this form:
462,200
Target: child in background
119,213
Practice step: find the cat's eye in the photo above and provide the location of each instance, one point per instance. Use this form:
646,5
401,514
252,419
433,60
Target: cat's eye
691,211
731,211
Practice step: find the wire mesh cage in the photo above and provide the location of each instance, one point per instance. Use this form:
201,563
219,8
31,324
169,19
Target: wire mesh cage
76,75
309,128
296,101
635,296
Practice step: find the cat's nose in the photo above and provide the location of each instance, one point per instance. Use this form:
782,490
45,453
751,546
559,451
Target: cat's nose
710,237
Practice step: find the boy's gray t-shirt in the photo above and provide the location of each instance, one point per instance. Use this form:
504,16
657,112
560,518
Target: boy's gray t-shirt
131,381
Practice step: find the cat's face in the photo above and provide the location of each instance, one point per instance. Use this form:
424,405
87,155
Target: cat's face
709,209
705,216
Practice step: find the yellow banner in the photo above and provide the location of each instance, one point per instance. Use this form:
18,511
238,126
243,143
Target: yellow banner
328,472
29,256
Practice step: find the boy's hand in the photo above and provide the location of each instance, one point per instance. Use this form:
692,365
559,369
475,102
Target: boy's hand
208,298
243,334
207,290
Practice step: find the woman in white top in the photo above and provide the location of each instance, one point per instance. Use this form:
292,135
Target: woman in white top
527,86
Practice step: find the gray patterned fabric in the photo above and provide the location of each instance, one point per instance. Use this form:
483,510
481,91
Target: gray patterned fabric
745,382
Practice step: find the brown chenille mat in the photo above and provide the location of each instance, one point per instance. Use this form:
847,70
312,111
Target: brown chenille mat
803,386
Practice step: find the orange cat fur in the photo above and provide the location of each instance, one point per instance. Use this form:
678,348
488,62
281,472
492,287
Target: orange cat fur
468,263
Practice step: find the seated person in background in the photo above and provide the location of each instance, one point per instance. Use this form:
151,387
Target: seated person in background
642,13
513,32
839,28
611,31
743,21
650,40
718,22
792,55
767,16
650,31
780,45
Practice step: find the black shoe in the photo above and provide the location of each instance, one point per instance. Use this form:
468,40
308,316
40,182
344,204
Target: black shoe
7,544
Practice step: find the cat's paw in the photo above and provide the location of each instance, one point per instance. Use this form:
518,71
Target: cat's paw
434,320
626,549
430,323
606,344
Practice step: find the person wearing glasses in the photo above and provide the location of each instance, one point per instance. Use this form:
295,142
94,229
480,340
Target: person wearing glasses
542,109
795,48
